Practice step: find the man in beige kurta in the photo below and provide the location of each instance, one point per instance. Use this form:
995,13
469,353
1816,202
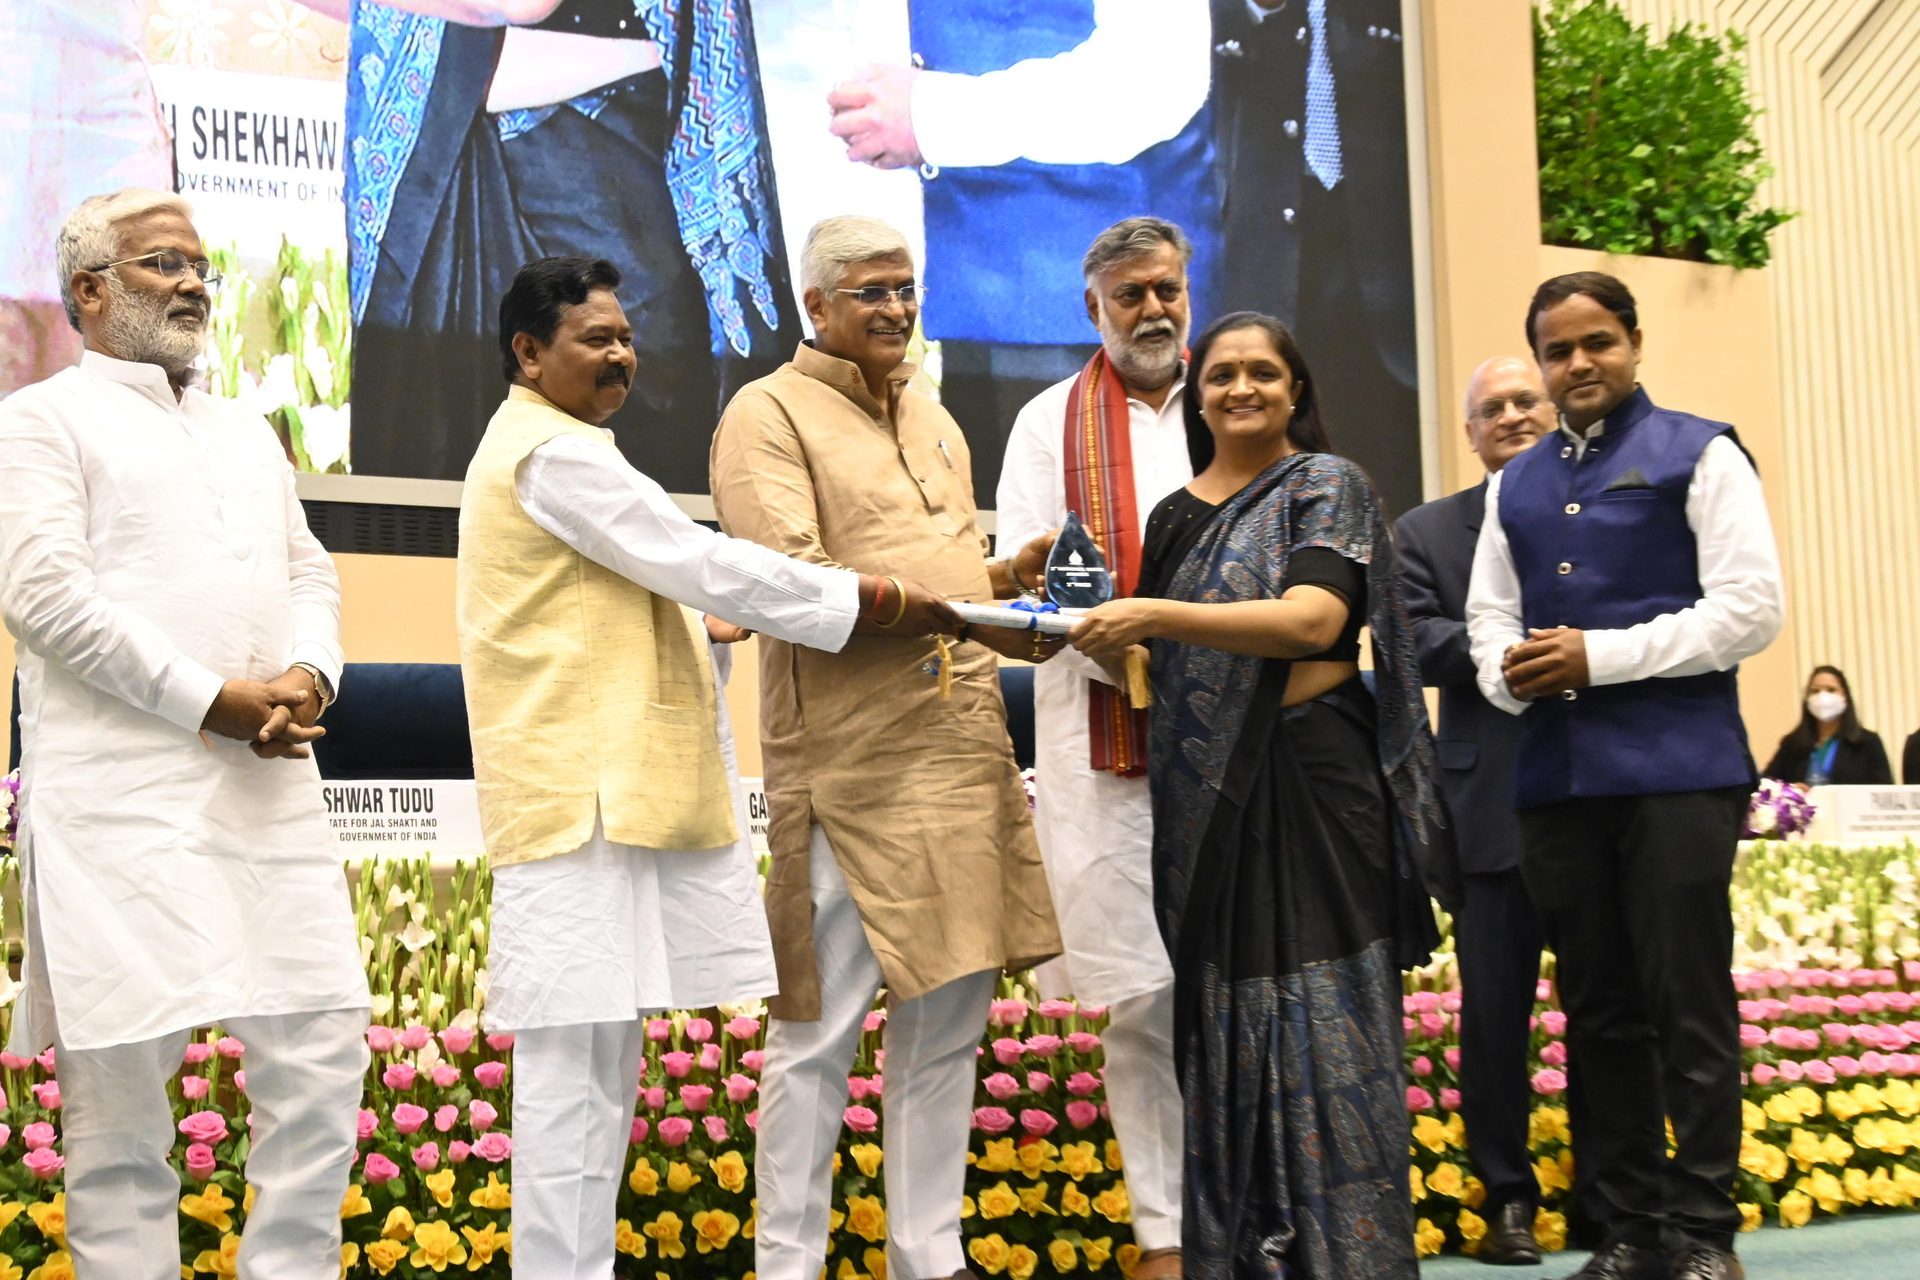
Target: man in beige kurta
903,854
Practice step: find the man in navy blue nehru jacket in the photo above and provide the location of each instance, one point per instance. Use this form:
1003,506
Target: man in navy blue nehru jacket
1625,567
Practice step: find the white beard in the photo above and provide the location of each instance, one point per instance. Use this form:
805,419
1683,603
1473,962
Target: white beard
138,329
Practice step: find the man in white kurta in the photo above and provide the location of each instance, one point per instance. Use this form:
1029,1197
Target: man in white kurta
1095,825
178,629
601,914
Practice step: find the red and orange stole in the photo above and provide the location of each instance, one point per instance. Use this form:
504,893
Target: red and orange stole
1098,456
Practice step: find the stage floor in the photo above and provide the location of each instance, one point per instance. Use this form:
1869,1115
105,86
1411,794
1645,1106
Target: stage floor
1869,1247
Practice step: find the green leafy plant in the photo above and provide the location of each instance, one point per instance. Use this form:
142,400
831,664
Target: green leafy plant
1647,146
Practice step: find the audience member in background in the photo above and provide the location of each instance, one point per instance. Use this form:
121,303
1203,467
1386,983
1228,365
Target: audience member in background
1829,745
1910,760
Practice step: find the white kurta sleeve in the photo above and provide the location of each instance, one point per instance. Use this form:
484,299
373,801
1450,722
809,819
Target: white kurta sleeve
592,499
1493,606
1059,110
1742,607
313,592
48,593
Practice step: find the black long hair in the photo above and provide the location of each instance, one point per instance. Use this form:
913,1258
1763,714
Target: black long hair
1804,735
1305,429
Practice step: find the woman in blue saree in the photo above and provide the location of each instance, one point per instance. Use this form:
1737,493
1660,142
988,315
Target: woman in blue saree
1288,801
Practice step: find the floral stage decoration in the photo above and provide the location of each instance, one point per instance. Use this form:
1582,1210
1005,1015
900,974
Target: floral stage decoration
1828,971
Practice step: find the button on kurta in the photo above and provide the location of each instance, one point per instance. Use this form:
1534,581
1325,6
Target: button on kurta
1573,508
1570,695
1566,567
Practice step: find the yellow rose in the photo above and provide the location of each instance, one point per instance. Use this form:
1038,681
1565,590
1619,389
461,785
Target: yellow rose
1022,1262
866,1218
1751,1216
8,1212
1883,1190
730,1171
1781,1109
1753,1155
50,1217
714,1229
349,1255
486,1242
1113,1154
990,1252
1804,1148
876,1263
1061,1254
211,1206
866,1157
1097,1252
681,1178
1446,1180
247,1197
1113,1204
1853,1182
1752,1118
1033,1199
1472,1228
1036,1158
664,1231
967,1208
384,1255
1900,1096
1476,1193
1074,1201
1907,1180
999,1157
645,1179
1078,1160
1836,1150
495,1196
1417,1183
1825,1190
399,1224
998,1201
1427,1238
440,1187
352,1205
222,1263
1550,1230
437,1245
1127,1256
1796,1210
1842,1105
58,1267
1547,1124
1430,1133
628,1241
1456,1128
1773,1164
753,1222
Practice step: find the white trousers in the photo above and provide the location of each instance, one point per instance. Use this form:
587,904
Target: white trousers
1143,1095
573,1098
305,1075
928,1102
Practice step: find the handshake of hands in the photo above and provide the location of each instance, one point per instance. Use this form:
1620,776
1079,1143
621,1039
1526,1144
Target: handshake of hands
275,718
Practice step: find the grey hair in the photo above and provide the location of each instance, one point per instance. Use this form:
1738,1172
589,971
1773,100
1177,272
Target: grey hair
1132,238
90,236
835,244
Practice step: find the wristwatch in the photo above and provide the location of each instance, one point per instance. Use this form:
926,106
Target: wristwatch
320,686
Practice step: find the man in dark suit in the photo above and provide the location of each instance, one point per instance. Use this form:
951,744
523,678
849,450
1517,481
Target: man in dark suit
1310,133
1497,934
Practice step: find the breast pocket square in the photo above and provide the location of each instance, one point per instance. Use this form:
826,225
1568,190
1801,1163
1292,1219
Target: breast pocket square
1631,478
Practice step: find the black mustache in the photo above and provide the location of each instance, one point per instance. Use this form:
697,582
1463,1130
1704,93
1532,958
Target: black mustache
620,376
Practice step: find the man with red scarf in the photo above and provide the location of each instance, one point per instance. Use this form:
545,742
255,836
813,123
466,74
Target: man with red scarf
1108,444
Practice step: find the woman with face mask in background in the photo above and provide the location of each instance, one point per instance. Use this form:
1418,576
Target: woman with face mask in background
1829,746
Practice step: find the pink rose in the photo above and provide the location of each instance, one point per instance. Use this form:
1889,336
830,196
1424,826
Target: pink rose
445,1075
1451,1056
194,1088
481,1115
381,1039
43,1162
754,1059
500,1041
426,1157
47,1094
1406,1028
1821,1072
458,1151
1044,1046
742,1027
1081,1113
709,1056
1554,1053
1037,1122
1433,1024
14,1062
696,1097
399,1075
1751,1036
992,1119
380,1169
457,1039
6,1132
414,1037
228,1047
1450,1001
198,1051
445,1117
1422,1065
1001,1086
200,1161
1420,1002
678,1064
1056,1009
739,1087
875,1019
655,1098
407,1118
1791,1071
493,1147
1845,1066
1554,1022
857,1088
753,1120
1418,1099
1082,1041
1006,1013
638,1133
1763,1074
1449,1099
675,1130
1543,990
1083,1084
716,1128
699,1030
1549,1082
204,1126
240,1081
876,1085
1007,1051
1039,1081
368,1123
861,1119
490,1075
659,1030
1853,1006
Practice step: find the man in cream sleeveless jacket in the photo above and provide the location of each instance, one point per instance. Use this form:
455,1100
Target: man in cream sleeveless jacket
609,797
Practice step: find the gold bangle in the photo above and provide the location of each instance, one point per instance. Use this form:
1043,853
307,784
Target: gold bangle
1013,571
902,593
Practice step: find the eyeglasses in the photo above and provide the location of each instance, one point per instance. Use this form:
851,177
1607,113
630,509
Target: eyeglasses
878,295
170,263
